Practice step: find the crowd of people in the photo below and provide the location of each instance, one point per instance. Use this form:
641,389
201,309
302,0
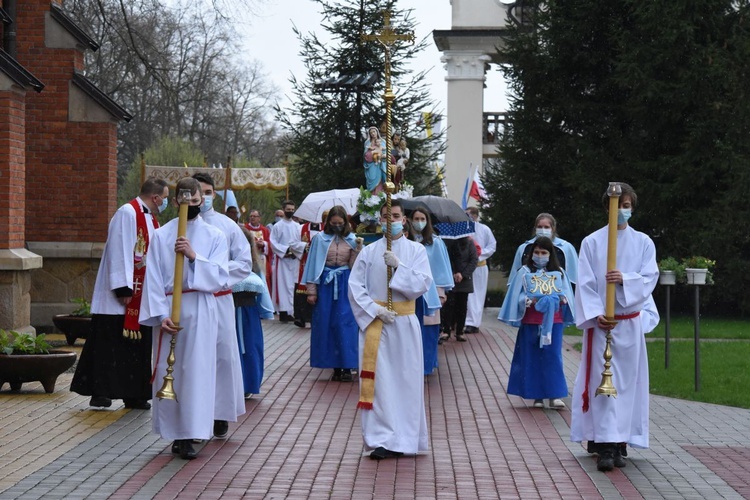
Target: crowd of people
381,333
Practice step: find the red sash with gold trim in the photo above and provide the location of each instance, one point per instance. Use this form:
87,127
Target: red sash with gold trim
131,328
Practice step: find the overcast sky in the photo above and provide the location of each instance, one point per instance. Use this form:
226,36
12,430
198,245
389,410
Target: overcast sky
270,40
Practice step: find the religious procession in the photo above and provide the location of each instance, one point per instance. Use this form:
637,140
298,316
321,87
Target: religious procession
372,304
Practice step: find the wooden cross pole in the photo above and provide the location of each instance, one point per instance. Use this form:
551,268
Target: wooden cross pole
387,38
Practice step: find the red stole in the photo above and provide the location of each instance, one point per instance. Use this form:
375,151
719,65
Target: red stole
131,328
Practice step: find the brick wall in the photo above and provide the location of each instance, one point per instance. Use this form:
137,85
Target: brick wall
71,167
12,198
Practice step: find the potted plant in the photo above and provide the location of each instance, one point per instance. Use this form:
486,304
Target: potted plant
698,270
28,358
76,324
670,271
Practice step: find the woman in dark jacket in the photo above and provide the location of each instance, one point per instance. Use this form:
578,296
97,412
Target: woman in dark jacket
463,256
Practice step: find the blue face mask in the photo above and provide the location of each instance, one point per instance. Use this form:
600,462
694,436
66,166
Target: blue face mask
164,205
419,225
208,203
396,228
540,261
547,233
623,215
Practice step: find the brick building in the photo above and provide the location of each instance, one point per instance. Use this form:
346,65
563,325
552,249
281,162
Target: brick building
58,164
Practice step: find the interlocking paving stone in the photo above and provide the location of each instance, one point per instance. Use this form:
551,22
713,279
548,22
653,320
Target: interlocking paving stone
301,438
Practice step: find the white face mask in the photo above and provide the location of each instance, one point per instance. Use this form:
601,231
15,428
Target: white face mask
208,203
547,233
163,206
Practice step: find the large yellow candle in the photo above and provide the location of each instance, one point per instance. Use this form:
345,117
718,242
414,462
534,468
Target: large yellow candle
179,264
614,192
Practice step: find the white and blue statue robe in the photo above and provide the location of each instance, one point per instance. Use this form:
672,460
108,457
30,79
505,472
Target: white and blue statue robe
333,333
397,421
195,346
230,401
375,172
250,330
568,250
624,419
428,306
537,368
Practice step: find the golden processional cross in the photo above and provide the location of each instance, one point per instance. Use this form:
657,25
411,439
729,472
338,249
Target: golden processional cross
387,38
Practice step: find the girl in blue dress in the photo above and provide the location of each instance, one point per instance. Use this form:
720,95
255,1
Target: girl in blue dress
334,334
538,302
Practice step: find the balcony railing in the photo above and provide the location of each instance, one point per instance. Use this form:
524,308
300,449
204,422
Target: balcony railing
493,127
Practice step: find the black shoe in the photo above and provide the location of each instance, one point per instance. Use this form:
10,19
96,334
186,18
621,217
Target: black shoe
606,459
299,323
619,460
137,404
187,452
346,375
471,329
381,453
100,402
336,375
221,428
284,317
176,447
460,337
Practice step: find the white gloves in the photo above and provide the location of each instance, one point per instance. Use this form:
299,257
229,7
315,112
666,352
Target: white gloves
386,316
390,259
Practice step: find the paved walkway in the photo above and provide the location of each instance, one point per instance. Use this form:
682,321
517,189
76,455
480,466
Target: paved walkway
301,439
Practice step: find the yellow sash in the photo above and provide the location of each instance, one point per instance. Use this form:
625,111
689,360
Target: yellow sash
370,353
481,263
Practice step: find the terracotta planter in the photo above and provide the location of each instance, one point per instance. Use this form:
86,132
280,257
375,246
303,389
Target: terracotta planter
17,369
696,276
74,327
667,277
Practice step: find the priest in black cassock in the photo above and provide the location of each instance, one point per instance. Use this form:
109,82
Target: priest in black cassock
116,359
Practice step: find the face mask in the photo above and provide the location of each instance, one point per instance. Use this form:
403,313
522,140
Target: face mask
208,203
288,215
277,219
194,210
337,229
623,215
547,233
419,225
540,261
163,206
396,228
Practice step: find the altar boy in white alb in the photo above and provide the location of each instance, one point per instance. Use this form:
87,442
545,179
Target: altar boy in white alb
206,272
390,342
230,395
609,423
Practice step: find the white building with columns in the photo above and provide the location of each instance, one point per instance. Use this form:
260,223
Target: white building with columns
469,48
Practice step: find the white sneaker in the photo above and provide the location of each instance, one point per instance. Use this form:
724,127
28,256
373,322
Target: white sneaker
538,403
557,404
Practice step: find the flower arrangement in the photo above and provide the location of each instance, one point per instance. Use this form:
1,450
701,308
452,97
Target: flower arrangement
700,262
369,204
83,309
672,264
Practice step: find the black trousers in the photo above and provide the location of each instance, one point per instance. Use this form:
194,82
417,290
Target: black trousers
453,312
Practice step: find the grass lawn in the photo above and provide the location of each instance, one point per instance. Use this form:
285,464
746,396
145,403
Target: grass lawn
710,328
724,373
682,327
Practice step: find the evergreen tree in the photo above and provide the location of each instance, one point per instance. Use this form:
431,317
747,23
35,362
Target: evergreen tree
325,130
649,93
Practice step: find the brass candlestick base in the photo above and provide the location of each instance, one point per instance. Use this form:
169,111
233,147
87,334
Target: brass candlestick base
167,387
606,387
